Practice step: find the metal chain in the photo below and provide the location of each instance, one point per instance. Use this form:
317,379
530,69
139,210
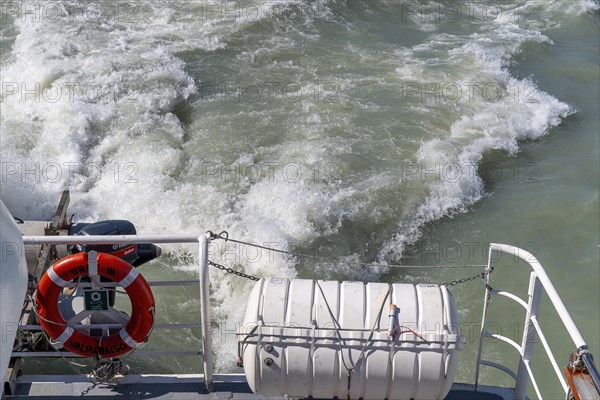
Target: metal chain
224,235
481,275
233,271
464,280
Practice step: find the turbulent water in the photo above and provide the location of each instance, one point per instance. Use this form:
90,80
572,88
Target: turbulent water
375,131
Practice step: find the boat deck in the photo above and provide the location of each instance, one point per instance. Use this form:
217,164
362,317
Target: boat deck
181,387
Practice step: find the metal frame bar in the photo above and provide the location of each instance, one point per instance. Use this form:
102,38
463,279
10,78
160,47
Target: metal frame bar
555,366
205,312
504,339
482,332
548,286
203,283
529,334
139,353
111,239
150,283
511,296
538,282
117,326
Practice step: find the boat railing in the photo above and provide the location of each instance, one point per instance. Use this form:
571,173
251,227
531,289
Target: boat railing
203,282
538,282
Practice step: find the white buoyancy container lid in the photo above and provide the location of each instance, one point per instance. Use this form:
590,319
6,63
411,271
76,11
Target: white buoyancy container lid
301,337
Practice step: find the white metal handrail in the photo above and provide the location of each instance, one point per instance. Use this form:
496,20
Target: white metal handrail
201,239
538,280
111,239
116,326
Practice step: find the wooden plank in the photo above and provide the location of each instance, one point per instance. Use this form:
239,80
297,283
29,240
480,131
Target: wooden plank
60,217
581,384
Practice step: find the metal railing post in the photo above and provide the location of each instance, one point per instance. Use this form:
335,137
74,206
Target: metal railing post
205,312
559,306
486,299
529,336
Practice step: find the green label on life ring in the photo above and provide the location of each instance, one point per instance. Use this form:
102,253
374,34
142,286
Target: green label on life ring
95,300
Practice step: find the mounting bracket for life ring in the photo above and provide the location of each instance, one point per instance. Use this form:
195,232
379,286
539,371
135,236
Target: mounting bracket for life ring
96,265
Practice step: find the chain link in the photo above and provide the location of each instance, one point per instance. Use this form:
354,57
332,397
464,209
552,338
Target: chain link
233,271
224,235
483,275
464,280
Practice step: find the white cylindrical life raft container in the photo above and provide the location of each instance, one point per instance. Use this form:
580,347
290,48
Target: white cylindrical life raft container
325,339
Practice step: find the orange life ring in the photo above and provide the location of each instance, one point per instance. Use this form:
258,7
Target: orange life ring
59,276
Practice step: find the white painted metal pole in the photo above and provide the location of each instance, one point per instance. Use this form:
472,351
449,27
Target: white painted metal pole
486,299
548,287
529,336
205,312
109,239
